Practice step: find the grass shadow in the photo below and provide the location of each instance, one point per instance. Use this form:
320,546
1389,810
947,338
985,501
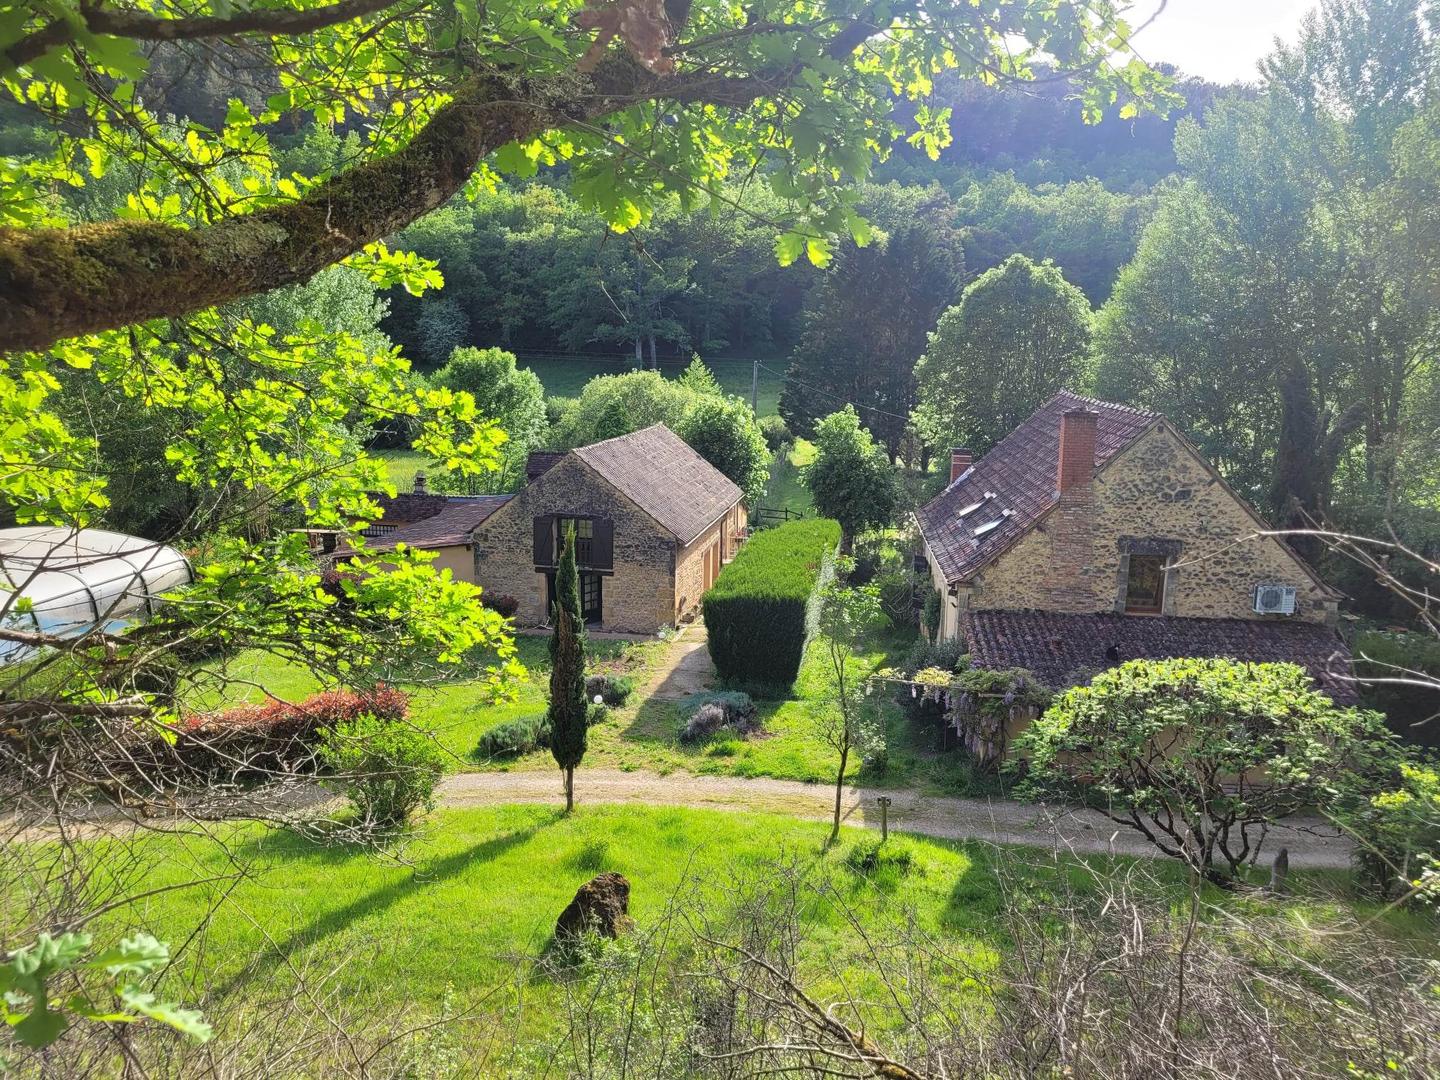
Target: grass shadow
337,920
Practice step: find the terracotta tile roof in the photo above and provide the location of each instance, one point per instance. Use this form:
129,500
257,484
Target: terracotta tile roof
408,506
452,525
1019,475
1065,649
657,470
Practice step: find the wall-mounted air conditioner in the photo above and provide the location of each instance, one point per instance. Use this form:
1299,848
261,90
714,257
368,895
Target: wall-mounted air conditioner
1274,599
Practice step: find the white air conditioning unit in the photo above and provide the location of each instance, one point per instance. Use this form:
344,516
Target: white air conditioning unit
1274,599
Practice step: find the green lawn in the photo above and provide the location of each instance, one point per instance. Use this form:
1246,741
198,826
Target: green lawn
786,490
459,712
643,735
453,927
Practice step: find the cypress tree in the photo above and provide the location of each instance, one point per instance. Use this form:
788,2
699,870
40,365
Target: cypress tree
568,708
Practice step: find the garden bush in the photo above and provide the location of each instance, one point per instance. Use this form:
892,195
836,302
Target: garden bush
755,614
707,713
514,739
278,735
387,769
1158,745
776,433
612,690
1398,834
501,605
947,655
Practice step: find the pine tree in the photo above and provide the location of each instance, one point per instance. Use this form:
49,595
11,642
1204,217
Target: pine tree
567,713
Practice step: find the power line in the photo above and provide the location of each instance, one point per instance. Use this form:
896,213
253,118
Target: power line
834,397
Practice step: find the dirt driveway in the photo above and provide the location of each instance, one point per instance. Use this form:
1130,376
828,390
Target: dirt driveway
1312,843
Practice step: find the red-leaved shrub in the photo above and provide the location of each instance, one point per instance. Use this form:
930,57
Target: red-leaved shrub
278,735
503,605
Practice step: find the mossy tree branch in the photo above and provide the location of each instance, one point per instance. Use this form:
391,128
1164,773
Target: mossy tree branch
62,282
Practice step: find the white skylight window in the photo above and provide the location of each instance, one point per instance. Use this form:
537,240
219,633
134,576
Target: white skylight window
976,505
981,530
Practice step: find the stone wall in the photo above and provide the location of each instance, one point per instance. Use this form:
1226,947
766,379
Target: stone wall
690,582
1156,489
638,597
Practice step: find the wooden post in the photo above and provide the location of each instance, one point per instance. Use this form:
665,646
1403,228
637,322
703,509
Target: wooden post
884,801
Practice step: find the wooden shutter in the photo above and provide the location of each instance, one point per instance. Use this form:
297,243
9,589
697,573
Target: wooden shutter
602,551
545,540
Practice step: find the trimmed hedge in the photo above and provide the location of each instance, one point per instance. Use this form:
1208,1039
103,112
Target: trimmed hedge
755,612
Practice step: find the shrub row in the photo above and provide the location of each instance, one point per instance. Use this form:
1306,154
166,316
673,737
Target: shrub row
755,612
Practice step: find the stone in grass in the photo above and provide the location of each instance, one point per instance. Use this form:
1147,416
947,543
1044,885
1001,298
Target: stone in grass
601,906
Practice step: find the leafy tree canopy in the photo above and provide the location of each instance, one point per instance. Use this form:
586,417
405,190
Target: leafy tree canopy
513,396
451,96
1020,333
725,433
850,478
1199,755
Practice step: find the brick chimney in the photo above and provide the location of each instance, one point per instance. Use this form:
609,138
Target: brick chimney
1069,576
420,488
1077,448
960,459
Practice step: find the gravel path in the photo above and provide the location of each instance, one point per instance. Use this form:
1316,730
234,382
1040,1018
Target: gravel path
1312,843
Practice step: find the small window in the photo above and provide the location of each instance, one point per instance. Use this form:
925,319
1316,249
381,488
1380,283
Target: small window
1145,585
584,537
971,509
981,530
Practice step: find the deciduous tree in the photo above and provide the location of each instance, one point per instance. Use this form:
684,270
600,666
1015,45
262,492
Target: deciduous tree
1019,333
1200,755
850,479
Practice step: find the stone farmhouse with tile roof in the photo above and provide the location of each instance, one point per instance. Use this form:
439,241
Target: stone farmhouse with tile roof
654,523
1096,533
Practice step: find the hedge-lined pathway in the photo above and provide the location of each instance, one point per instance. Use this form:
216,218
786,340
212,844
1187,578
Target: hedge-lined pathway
1312,843
686,668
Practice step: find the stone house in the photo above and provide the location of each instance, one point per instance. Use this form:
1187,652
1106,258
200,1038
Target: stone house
1096,533
654,524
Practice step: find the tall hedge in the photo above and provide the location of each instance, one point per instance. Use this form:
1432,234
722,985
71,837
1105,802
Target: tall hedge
755,611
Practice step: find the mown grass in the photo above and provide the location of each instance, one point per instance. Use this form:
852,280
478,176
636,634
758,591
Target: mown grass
786,490
457,712
644,736
455,924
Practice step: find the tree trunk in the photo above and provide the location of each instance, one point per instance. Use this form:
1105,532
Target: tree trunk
639,353
653,365
569,788
839,791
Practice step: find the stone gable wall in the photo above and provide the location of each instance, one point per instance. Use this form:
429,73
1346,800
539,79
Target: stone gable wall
1154,490
638,597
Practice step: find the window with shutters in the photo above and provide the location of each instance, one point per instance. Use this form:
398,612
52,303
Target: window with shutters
594,541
